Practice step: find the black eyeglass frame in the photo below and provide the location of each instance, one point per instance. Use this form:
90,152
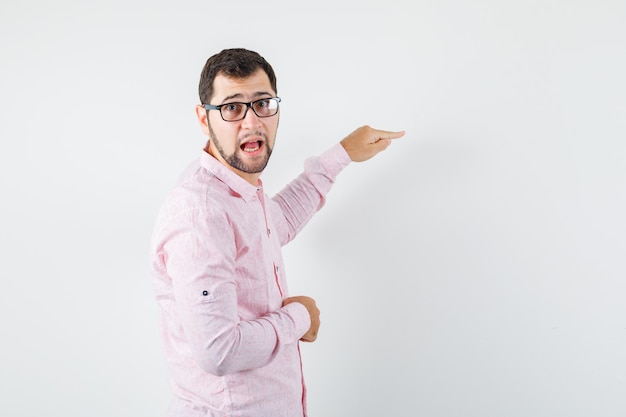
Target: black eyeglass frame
249,105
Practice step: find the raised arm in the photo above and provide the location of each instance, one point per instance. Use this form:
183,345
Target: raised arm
305,195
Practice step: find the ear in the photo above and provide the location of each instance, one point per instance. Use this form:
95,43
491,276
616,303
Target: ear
201,114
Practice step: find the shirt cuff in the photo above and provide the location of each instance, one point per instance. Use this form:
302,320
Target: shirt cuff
301,320
335,159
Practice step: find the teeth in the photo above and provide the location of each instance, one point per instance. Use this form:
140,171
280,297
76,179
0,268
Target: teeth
249,148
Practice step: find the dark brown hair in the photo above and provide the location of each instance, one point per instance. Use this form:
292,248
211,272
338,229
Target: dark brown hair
234,63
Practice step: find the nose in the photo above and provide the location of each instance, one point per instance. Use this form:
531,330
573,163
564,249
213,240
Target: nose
250,119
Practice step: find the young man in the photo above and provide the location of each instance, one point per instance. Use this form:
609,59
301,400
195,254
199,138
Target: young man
230,328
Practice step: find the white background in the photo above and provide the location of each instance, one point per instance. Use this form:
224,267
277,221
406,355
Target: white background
475,268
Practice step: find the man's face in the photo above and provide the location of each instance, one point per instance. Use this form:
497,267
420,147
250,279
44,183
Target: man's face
244,146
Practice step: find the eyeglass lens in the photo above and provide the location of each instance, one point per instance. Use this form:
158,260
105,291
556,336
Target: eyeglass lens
265,107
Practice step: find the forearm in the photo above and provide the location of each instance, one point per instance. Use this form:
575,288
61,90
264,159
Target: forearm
223,335
222,347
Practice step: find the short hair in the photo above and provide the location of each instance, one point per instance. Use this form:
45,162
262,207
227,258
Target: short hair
233,63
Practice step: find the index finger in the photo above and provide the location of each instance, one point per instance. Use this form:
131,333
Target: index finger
387,134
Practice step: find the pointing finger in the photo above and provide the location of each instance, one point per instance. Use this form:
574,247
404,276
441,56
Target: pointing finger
385,134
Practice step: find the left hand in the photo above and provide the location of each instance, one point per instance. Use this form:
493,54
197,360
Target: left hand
365,142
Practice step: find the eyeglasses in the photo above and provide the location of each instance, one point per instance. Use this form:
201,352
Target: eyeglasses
231,112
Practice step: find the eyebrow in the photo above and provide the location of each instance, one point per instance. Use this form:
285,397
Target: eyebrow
240,96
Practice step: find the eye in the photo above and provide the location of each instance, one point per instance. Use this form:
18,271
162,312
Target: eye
232,107
263,103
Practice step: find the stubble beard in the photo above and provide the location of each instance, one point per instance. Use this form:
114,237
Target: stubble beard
235,161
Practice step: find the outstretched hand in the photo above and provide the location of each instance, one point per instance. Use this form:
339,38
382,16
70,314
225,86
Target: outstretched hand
365,142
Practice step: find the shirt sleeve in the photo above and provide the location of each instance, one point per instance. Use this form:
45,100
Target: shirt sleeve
197,251
306,194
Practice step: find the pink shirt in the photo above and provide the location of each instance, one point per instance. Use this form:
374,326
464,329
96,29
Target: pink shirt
219,281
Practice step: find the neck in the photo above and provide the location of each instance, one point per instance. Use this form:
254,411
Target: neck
252,178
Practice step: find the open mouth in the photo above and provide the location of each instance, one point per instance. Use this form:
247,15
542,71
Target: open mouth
251,147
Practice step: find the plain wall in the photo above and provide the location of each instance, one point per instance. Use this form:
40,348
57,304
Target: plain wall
475,268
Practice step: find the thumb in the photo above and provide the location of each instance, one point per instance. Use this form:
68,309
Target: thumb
382,143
